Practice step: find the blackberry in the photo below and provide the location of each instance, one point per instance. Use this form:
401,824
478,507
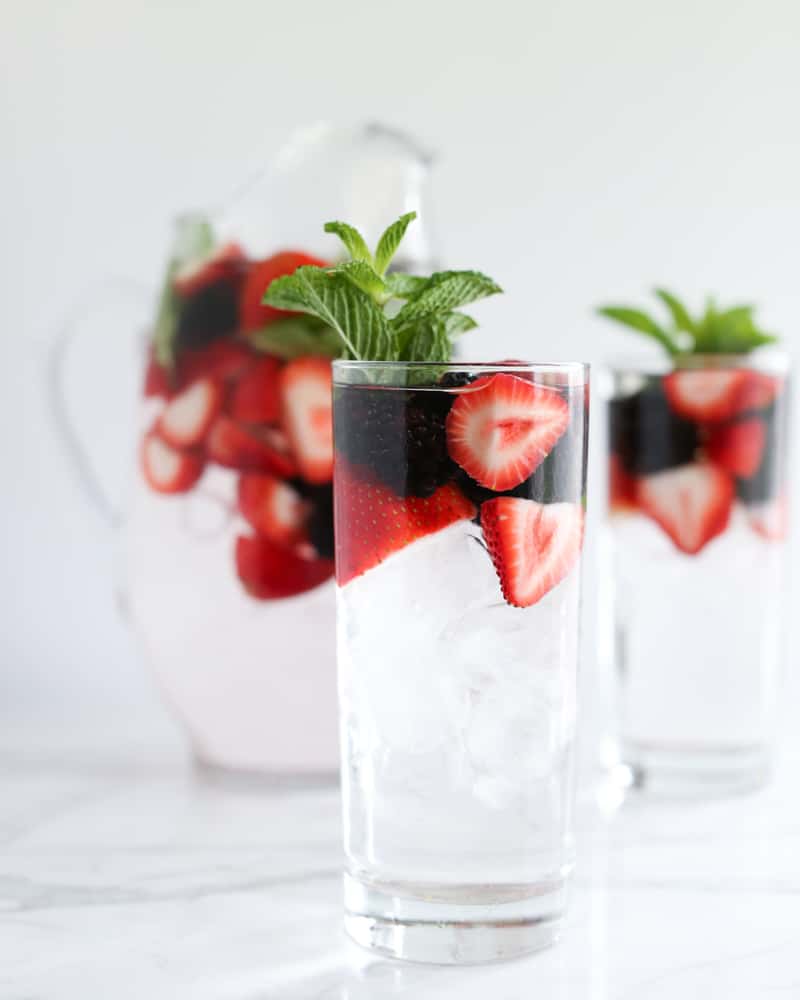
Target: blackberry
455,380
398,434
320,522
647,435
210,313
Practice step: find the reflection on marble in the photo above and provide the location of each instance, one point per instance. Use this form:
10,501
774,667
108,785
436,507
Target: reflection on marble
125,874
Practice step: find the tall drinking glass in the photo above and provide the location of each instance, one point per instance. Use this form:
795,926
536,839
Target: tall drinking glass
698,516
459,510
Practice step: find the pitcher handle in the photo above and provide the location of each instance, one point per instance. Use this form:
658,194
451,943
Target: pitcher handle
116,289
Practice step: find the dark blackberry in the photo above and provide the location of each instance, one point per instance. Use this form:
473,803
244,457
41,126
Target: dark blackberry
647,435
320,522
398,434
455,380
210,313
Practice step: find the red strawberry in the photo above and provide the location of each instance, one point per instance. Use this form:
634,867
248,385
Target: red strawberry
758,391
621,486
372,522
261,450
692,503
225,262
272,507
737,448
707,395
156,379
533,546
771,519
252,314
256,395
166,469
222,359
307,416
501,427
269,571
187,417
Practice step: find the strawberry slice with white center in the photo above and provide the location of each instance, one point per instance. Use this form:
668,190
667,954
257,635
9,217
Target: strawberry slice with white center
738,448
533,546
256,395
307,416
501,427
269,571
225,262
250,449
187,417
708,395
372,522
692,503
272,507
166,469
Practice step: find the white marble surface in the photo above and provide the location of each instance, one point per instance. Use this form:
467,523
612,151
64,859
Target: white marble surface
124,874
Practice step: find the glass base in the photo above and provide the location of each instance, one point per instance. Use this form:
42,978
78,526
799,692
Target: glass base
453,925
695,773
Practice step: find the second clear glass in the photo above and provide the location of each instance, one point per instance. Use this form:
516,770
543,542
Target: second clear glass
457,705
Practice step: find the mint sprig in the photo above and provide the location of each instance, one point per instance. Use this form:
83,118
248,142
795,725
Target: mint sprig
358,300
714,331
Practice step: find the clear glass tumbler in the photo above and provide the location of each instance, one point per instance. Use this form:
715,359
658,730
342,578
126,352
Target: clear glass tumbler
459,494
698,516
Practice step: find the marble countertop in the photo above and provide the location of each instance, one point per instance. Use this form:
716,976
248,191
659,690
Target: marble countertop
125,873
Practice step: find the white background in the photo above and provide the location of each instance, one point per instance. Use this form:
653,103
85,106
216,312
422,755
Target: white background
587,151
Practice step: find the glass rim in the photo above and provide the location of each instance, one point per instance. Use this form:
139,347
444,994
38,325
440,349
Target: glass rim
770,360
501,367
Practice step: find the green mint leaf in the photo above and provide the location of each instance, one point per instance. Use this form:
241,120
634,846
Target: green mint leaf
364,276
332,298
390,241
730,331
353,240
680,314
404,286
638,320
294,337
443,292
427,342
456,323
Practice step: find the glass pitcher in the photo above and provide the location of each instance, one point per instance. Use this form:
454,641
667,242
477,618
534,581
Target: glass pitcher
227,535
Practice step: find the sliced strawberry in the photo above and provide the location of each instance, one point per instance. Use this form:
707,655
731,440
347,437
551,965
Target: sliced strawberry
533,546
692,503
223,359
707,395
621,486
372,522
501,427
252,314
737,448
307,416
272,507
157,382
225,262
758,391
249,449
256,396
270,571
771,519
166,469
188,416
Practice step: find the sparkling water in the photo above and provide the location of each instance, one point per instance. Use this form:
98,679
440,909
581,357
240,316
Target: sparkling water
457,715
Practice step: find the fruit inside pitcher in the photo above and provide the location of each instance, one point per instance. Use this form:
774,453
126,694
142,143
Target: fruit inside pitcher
246,387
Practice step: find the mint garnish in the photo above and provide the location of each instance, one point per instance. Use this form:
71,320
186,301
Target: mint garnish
715,331
358,301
